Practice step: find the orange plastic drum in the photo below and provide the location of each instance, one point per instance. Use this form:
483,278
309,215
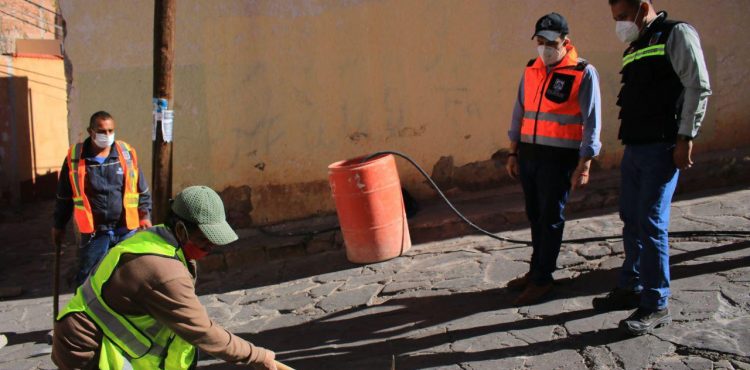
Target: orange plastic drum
370,207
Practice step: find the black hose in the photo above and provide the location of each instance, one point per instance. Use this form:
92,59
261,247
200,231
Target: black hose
674,234
448,202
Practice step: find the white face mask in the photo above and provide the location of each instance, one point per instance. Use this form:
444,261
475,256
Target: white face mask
628,31
104,140
549,54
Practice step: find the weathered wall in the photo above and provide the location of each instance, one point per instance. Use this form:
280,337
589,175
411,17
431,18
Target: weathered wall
33,129
20,19
268,93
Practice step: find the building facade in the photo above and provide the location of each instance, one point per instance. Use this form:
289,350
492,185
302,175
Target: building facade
33,100
268,93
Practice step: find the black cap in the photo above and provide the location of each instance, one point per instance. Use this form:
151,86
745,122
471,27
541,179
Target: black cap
551,26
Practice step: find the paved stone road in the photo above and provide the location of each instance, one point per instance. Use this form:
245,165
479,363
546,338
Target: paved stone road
444,305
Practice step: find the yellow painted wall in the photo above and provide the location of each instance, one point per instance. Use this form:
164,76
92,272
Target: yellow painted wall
33,127
48,110
268,93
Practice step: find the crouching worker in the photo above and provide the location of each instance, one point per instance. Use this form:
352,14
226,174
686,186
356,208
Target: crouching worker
139,310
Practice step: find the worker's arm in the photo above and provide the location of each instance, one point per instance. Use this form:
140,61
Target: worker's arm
686,55
175,304
514,133
63,205
75,342
685,52
590,101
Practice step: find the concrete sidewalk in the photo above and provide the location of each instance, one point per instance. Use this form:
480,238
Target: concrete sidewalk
444,305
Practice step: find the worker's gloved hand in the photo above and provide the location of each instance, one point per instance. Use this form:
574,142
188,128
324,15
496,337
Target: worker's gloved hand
58,235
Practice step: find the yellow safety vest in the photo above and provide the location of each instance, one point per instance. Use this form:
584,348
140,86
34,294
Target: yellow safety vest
130,341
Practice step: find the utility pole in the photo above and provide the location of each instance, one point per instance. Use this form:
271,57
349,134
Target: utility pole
164,13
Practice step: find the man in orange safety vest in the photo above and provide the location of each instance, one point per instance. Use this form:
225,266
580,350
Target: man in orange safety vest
101,186
554,134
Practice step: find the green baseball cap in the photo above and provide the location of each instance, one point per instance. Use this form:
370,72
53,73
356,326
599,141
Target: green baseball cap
201,205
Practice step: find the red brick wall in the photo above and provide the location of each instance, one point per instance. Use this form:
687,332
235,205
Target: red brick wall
20,19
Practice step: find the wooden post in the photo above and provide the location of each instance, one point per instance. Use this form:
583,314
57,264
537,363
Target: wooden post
164,13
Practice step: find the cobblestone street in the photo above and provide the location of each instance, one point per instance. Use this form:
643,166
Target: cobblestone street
444,304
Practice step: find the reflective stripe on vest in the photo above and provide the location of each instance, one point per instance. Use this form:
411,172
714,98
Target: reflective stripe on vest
77,172
129,164
651,51
562,119
131,342
135,345
557,122
153,330
551,141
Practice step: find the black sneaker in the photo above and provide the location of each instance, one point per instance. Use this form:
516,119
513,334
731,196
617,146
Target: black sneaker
617,299
644,321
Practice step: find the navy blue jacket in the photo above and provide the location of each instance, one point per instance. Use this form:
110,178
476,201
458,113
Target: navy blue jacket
104,189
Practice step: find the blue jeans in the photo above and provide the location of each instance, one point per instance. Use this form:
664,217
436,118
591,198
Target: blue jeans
649,178
546,185
94,247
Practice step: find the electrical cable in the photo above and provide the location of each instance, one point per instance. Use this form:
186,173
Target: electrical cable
26,21
42,7
673,234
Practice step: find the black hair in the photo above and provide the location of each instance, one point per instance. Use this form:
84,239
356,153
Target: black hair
630,2
97,116
172,219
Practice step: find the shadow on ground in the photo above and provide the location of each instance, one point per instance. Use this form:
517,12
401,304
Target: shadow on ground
28,254
408,327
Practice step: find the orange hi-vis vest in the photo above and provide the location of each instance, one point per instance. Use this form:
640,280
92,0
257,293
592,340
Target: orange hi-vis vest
552,113
77,171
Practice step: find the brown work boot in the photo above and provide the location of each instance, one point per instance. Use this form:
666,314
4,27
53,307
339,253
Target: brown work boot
520,282
532,294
